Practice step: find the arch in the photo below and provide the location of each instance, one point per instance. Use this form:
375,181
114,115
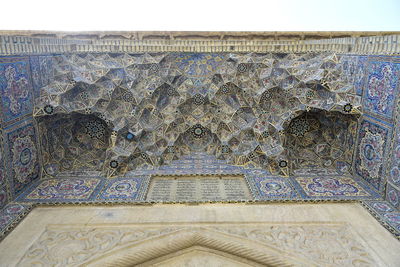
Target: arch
163,247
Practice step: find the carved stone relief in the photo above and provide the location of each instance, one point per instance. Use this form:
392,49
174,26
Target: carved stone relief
267,244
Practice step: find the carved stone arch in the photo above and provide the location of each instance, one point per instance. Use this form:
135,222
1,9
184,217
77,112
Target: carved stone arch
143,253
201,256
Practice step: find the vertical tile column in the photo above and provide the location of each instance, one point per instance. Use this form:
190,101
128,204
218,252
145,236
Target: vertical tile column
375,133
19,151
393,170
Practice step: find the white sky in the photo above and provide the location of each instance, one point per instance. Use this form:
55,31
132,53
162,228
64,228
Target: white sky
203,15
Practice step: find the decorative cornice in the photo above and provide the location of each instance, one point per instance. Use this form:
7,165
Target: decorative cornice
199,35
27,42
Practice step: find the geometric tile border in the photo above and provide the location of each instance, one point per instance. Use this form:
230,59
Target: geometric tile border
11,215
385,214
133,189
393,195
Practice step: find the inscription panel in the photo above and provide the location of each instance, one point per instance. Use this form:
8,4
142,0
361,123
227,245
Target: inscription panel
198,188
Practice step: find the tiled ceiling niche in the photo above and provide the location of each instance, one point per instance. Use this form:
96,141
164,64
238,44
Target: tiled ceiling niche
111,108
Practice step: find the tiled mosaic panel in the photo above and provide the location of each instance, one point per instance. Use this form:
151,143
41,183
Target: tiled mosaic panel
15,88
265,186
380,206
23,156
381,87
371,152
2,159
11,213
393,171
354,67
3,196
393,219
386,213
63,189
338,187
42,72
393,195
125,188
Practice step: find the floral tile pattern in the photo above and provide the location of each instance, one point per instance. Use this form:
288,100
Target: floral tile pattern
380,90
327,187
15,88
371,151
267,187
42,72
125,188
2,157
393,219
23,155
64,189
380,206
394,165
393,195
354,67
11,213
386,214
3,196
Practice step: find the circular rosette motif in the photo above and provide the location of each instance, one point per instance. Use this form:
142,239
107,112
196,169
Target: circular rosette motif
371,152
275,188
24,158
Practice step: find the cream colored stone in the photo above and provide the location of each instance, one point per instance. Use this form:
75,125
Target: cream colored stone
200,257
330,234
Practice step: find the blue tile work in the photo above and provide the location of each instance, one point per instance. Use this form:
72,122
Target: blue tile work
63,189
196,163
394,165
393,169
354,67
393,195
371,151
3,196
23,156
132,188
267,187
12,214
2,159
42,72
333,187
381,86
386,214
374,78
198,65
15,89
